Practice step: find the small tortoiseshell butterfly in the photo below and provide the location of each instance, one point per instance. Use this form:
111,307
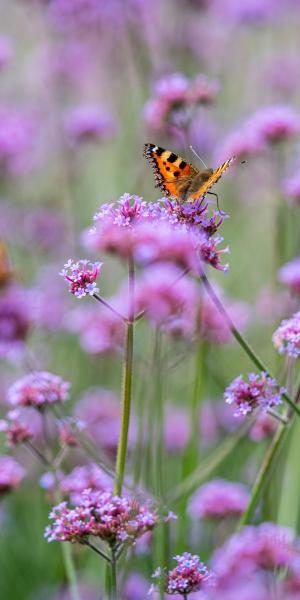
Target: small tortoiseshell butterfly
5,273
178,178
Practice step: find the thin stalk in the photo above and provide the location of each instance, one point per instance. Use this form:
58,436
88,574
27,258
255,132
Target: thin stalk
190,458
70,570
126,388
113,580
67,555
157,442
97,551
263,473
241,340
210,464
37,454
111,308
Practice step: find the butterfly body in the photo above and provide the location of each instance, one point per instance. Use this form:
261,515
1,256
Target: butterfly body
178,178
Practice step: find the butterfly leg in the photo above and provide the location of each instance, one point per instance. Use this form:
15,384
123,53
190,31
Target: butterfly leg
216,195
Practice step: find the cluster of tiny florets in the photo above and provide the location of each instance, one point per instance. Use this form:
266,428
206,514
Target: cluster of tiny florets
287,337
102,515
258,392
163,230
38,389
81,276
188,576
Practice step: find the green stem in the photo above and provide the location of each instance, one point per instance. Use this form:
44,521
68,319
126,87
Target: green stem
190,458
126,390
241,340
67,554
70,570
263,473
113,579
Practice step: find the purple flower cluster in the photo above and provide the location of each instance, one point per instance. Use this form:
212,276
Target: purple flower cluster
84,477
189,575
88,123
110,518
17,135
167,297
219,499
262,548
17,430
99,329
81,276
264,128
152,232
286,338
291,188
258,392
38,389
99,409
174,98
15,321
11,474
289,275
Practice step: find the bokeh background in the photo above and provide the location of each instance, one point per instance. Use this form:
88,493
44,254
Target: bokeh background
84,84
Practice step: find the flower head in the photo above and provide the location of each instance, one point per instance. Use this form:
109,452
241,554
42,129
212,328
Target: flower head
287,337
275,123
15,321
11,474
291,188
174,98
102,515
219,499
263,548
289,275
189,575
258,392
81,276
88,123
84,477
159,231
38,389
17,431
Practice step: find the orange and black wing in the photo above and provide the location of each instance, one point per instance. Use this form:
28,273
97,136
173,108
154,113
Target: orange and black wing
168,168
217,173
5,272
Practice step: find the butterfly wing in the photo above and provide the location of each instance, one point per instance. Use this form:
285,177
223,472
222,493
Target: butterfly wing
215,176
168,169
5,272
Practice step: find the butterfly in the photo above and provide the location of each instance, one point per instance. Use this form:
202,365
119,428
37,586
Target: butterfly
178,178
5,272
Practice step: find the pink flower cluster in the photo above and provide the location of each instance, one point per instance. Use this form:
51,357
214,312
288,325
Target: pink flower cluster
110,518
99,329
258,392
219,499
17,140
167,297
15,321
189,575
289,275
38,389
152,232
11,474
291,188
262,548
265,127
17,431
81,276
286,338
84,477
88,123
174,98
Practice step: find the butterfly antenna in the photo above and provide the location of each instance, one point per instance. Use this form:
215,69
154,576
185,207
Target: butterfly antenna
194,152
